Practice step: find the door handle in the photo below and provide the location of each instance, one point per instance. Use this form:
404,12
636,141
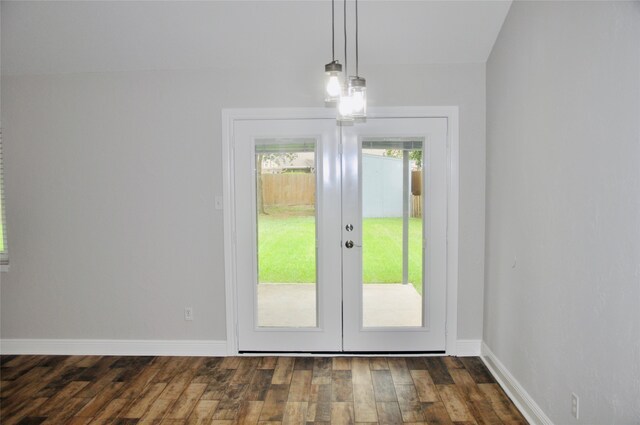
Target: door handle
350,244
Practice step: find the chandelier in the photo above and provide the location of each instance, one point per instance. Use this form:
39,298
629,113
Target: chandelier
350,94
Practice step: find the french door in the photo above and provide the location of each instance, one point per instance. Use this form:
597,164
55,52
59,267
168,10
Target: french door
340,235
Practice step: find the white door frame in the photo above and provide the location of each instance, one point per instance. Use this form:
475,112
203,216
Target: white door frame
229,116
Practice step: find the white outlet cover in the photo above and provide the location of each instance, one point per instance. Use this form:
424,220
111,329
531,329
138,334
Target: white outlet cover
188,313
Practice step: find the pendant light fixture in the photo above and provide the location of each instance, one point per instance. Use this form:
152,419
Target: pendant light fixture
333,68
351,95
345,105
358,86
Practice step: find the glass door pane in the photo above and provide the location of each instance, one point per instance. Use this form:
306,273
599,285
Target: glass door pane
286,229
285,179
392,249
394,205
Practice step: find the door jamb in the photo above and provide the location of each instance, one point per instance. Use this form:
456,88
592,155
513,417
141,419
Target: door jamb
229,116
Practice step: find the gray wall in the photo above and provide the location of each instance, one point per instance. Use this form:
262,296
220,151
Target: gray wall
110,184
563,206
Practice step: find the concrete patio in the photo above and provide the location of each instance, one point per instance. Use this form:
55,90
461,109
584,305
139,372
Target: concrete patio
294,305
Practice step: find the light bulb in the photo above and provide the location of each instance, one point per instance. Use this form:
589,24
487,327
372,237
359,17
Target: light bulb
358,102
358,93
333,87
332,71
345,108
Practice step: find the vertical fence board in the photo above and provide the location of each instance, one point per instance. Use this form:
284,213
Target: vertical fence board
289,189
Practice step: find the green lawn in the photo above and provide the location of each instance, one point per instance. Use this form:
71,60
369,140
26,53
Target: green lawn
287,249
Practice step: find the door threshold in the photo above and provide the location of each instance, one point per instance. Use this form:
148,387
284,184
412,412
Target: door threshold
344,353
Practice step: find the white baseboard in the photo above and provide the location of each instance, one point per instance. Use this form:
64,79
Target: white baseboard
468,347
527,406
116,347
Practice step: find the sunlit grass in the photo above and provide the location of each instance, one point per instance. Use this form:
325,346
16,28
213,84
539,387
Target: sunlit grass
287,250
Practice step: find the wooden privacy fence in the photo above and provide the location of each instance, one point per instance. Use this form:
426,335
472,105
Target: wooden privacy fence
300,189
289,189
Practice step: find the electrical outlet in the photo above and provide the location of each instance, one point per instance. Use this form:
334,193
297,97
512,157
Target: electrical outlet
574,405
188,313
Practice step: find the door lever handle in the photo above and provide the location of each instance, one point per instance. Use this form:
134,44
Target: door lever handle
349,244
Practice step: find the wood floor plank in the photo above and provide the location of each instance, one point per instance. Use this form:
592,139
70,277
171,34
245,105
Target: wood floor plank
438,371
399,371
273,407
341,386
112,390
27,408
416,363
466,385
454,403
304,363
319,403
78,421
295,413
202,412
389,412
383,385
135,387
321,370
230,363
364,402
249,413
156,411
259,385
101,383
187,401
167,369
139,407
478,370
452,362
100,400
230,403
504,408
61,397
341,363
406,394
218,385
268,363
409,403
378,363
284,371
425,388
300,385
436,414
246,369
342,413
112,409
483,413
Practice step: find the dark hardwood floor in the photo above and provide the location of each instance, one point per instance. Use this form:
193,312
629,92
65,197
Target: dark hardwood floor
250,390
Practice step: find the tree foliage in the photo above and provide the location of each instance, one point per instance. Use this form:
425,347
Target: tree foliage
415,156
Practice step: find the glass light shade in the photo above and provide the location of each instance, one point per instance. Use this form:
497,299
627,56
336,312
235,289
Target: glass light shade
345,107
333,87
358,94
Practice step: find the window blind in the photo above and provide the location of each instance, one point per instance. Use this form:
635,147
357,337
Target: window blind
4,257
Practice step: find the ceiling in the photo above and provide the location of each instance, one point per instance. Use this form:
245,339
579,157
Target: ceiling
64,37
